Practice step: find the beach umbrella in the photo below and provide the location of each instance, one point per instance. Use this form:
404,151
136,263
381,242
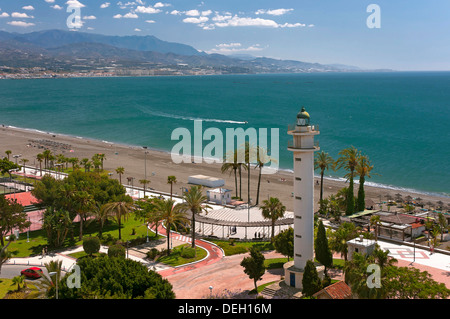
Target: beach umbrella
440,204
408,198
429,204
398,197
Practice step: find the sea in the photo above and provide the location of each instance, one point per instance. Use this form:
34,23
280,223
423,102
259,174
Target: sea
400,120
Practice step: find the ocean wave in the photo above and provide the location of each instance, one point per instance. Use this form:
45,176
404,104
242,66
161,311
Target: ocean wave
187,118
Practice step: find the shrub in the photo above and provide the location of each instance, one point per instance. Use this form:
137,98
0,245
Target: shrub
116,251
187,252
91,245
152,253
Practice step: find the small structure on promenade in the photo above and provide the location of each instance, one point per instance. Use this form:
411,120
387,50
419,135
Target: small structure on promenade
207,181
360,245
221,196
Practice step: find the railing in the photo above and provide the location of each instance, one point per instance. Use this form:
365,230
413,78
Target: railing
291,145
293,127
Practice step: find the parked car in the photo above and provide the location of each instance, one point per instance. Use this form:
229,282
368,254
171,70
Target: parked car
33,272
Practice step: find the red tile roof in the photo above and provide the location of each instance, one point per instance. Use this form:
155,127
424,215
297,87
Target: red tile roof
338,290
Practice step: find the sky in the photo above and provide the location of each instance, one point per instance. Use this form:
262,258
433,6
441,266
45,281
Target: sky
400,35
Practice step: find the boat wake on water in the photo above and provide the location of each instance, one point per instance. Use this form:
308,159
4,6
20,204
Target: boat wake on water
188,118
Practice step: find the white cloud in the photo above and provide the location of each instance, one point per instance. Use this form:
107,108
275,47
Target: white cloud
175,12
105,5
149,9
75,4
20,24
129,15
29,8
21,15
162,5
89,17
192,13
292,25
4,15
56,7
206,13
236,21
137,30
245,22
50,1
220,18
276,12
196,20
150,21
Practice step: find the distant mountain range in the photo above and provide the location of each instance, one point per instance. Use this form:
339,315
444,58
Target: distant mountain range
59,50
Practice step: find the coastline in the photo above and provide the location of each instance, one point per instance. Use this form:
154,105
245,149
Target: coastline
160,165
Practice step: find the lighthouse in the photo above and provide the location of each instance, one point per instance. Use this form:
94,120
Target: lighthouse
303,147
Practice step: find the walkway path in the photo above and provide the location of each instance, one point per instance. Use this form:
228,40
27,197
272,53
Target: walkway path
214,253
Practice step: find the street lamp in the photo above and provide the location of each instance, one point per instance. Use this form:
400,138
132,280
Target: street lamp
210,291
53,273
145,162
28,232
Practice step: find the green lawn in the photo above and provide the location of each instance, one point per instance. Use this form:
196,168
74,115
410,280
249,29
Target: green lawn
175,258
38,238
5,286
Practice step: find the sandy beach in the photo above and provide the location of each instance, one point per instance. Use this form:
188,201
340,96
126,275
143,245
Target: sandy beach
160,165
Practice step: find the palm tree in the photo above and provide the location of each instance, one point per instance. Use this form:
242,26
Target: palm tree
375,220
18,280
262,159
120,170
443,224
40,158
363,169
147,211
232,167
120,210
171,180
323,161
47,154
349,160
99,158
273,209
8,152
194,201
250,155
73,161
173,215
339,238
144,182
82,202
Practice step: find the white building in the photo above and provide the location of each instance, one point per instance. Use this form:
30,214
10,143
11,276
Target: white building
360,245
221,196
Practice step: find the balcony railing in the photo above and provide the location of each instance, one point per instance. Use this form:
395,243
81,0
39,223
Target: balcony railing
291,145
293,127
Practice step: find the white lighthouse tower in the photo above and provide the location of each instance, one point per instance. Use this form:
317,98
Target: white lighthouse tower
303,148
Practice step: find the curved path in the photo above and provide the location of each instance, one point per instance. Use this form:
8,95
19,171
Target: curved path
214,253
